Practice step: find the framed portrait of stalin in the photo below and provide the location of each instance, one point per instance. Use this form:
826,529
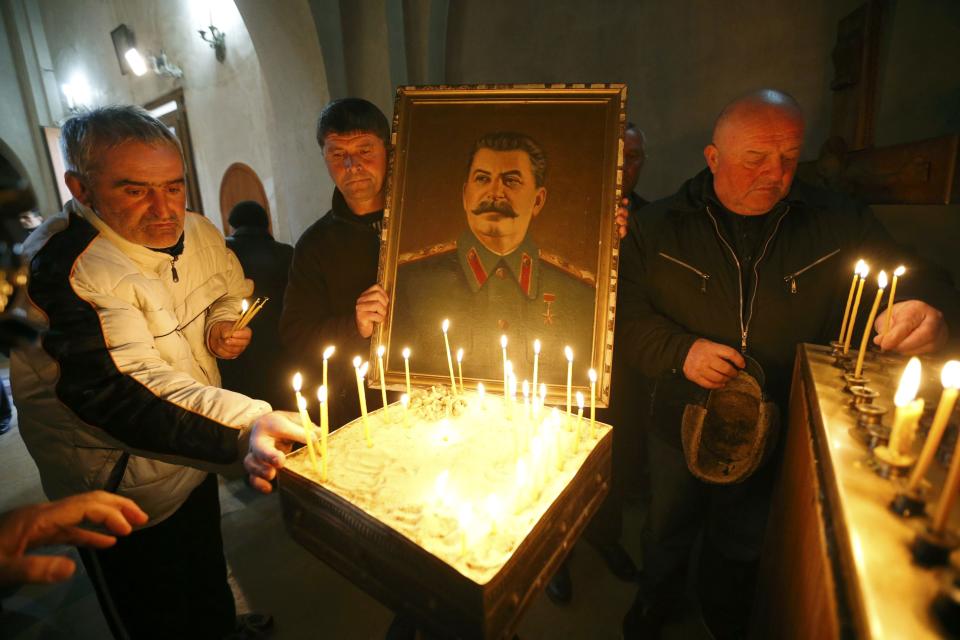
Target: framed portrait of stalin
500,218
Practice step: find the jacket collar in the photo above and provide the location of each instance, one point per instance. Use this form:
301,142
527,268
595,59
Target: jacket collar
479,263
343,211
699,193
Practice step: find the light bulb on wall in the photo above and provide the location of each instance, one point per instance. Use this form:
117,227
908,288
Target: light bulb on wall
136,62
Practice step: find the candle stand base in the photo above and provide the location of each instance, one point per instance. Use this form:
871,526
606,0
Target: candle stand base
836,348
854,381
842,360
946,606
878,435
908,504
889,465
862,396
932,548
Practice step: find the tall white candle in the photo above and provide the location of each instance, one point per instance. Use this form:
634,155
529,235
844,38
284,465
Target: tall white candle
327,354
453,382
406,367
383,380
361,371
593,400
568,352
503,348
893,292
460,367
536,361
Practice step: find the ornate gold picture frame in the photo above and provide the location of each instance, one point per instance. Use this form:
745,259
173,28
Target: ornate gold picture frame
500,219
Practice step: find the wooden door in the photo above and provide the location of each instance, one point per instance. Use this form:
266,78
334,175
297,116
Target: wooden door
240,183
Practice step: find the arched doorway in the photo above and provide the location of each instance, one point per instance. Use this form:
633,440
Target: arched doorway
239,183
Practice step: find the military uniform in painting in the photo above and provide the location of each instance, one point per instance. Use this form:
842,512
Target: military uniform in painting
527,294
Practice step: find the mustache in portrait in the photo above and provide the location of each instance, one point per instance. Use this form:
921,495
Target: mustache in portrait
490,206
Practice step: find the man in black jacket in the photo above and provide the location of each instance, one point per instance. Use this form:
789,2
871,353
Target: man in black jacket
332,297
267,263
742,261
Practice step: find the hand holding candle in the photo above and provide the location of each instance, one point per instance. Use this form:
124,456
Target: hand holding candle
882,283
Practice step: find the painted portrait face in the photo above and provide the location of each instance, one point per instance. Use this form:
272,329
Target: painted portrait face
138,189
500,198
357,162
754,159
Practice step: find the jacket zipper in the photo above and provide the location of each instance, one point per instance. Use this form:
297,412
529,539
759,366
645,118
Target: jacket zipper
703,276
792,278
745,326
173,268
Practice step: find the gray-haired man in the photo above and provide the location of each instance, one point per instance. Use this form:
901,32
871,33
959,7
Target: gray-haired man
139,298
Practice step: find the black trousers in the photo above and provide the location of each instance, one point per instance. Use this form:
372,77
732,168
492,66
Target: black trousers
730,521
168,580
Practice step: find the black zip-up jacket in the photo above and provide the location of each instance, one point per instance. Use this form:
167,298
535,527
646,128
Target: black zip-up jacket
680,279
334,261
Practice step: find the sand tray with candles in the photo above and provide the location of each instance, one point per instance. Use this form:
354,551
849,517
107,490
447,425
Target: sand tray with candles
460,511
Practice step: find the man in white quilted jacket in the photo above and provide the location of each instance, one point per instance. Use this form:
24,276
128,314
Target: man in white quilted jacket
138,298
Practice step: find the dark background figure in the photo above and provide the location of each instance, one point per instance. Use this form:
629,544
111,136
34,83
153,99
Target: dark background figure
263,371
627,413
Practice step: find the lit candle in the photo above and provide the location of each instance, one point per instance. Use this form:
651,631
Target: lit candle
576,437
361,370
327,353
405,401
861,265
453,381
567,351
893,291
503,348
543,395
460,367
308,430
882,283
908,410
593,400
324,427
856,307
950,377
948,494
406,367
536,361
507,398
383,382
244,307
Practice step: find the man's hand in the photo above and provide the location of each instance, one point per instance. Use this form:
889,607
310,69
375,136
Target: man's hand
225,343
371,308
711,364
58,523
271,438
916,328
623,217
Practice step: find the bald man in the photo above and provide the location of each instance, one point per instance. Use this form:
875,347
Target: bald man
743,261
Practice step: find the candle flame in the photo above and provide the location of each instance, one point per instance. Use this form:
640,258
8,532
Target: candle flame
381,350
865,271
406,353
445,325
503,341
951,375
322,393
328,352
900,271
356,362
882,279
567,351
526,389
405,400
580,399
536,346
302,403
592,375
459,355
481,390
861,268
244,305
297,381
363,369
909,383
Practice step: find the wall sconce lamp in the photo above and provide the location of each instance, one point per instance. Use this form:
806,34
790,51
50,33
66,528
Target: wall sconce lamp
217,41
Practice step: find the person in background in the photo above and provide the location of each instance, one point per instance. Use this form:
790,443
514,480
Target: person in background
263,370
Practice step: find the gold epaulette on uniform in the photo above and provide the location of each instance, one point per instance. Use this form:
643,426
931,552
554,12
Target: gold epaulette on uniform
427,252
583,275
